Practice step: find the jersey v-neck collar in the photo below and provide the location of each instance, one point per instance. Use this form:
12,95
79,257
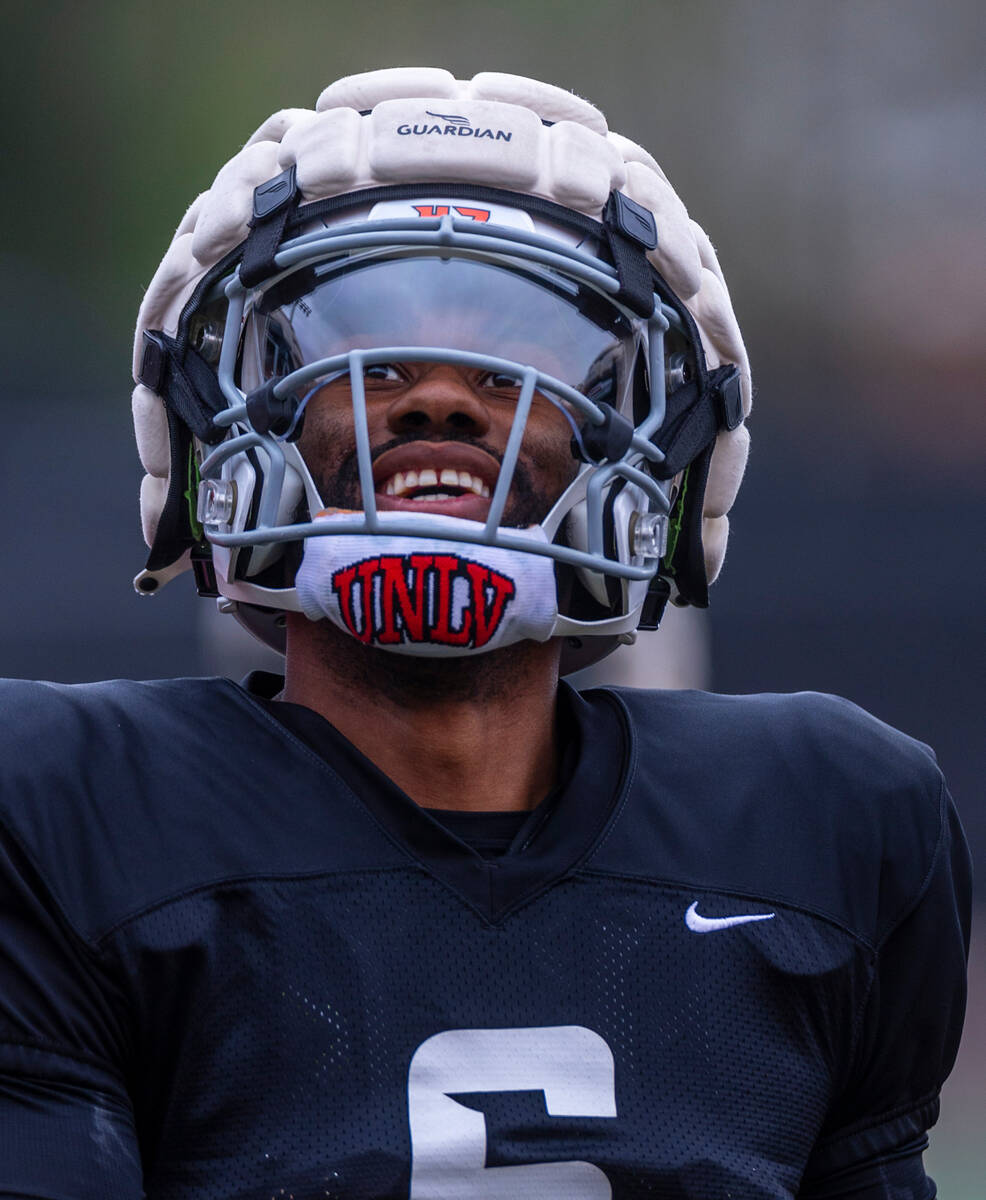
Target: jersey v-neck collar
556,836
490,834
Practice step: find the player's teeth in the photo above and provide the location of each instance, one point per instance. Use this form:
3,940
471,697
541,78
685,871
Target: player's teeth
402,482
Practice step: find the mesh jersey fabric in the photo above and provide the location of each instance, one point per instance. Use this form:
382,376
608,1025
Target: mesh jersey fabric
226,973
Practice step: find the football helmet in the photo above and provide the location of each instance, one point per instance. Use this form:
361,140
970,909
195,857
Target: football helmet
494,226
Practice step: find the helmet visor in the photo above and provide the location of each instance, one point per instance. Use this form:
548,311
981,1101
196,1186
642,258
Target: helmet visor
533,316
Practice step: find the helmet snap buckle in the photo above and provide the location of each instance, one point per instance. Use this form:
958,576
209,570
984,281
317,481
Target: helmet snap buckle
648,535
678,373
216,501
207,339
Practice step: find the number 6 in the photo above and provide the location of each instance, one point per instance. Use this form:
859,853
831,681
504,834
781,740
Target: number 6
572,1066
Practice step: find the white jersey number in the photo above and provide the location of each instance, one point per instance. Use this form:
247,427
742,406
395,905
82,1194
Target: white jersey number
572,1066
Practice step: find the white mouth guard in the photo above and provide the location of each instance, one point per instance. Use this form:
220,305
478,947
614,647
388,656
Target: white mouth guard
427,596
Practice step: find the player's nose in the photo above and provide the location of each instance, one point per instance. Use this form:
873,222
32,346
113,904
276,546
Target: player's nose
440,400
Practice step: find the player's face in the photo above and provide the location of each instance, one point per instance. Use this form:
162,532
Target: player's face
437,437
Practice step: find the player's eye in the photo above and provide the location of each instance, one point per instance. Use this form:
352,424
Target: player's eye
498,381
385,373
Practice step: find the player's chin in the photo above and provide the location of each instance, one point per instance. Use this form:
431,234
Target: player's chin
468,506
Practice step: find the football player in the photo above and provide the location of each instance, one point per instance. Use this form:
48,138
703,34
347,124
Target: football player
440,392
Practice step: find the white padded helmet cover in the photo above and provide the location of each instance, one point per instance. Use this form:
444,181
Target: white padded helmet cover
358,137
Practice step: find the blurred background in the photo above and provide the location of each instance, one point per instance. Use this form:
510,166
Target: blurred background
833,150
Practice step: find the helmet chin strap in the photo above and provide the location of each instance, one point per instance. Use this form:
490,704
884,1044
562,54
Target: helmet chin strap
428,596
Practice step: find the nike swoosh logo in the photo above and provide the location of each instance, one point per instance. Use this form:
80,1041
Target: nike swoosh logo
699,924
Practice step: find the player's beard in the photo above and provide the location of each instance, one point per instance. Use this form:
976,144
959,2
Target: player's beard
405,680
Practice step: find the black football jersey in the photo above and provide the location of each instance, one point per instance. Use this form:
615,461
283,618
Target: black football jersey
725,959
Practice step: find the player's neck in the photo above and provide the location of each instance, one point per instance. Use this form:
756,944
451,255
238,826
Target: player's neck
472,733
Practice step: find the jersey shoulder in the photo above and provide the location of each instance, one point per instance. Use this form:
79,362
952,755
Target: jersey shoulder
826,734
802,798
123,794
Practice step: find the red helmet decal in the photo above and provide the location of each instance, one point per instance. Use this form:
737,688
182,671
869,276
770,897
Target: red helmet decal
425,598
431,210
442,210
477,214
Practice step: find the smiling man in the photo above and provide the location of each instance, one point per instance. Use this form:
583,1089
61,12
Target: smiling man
440,393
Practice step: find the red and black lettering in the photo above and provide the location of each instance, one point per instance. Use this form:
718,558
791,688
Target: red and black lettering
441,599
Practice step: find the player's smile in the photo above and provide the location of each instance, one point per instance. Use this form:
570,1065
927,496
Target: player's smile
450,478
